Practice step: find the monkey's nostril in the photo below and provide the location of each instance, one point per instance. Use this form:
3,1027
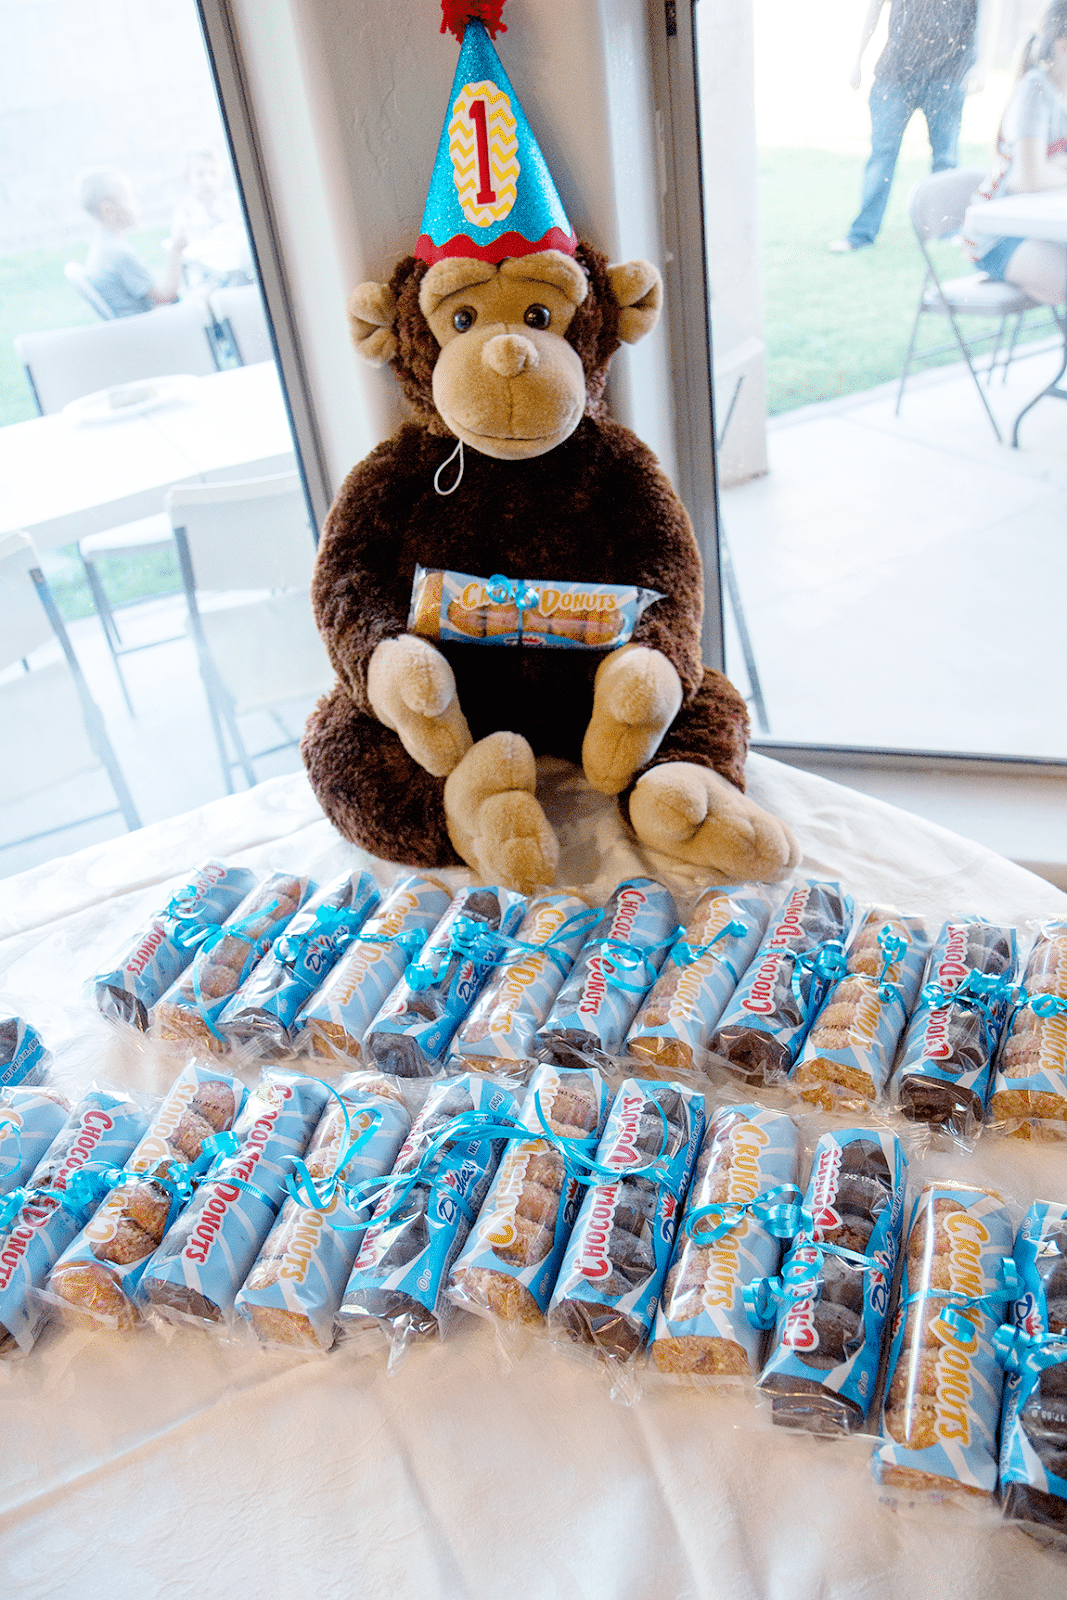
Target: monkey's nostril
509,354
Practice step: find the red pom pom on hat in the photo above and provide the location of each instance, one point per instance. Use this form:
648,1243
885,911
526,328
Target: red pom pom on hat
455,14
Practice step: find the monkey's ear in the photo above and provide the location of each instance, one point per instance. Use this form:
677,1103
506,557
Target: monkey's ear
638,291
371,314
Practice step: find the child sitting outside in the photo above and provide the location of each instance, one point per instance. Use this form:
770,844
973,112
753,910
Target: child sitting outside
114,268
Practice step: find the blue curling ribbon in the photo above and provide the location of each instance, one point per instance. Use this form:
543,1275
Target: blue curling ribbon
585,1170
798,1279
85,1189
772,1210
503,591
827,965
893,946
684,954
1019,1351
300,1185
185,930
10,1127
257,947
616,954
983,993
952,1315
329,920
469,939
1043,1005
512,950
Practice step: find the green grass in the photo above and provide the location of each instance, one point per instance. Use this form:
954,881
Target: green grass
839,324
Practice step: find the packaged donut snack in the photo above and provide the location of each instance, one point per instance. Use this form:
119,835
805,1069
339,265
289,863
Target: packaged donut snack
161,949
97,1275
64,1189
420,1224
208,1252
1033,1443
846,1059
525,611
616,966
338,1014
192,1006
508,1266
679,1016
944,1070
517,999
766,1022
414,1028
263,1013
836,1281
613,1270
23,1057
944,1383
291,1295
747,1165
1030,1084
29,1121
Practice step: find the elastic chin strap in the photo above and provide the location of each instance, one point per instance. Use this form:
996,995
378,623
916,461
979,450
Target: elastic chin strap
458,451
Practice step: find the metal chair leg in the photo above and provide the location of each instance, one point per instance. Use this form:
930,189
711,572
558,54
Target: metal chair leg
108,624
219,707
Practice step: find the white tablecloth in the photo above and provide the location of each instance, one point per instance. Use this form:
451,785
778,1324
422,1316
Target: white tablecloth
133,1466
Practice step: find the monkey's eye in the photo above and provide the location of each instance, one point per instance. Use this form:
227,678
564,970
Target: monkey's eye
464,318
537,316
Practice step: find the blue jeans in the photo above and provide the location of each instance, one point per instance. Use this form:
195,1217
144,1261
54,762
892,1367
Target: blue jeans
892,108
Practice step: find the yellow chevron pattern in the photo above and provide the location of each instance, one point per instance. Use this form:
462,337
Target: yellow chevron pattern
503,153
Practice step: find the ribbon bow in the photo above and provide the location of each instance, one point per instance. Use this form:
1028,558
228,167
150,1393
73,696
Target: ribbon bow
952,1314
684,954
893,945
84,1189
511,950
772,1210
185,930
257,947
827,966
504,591
1043,1005
469,939
1023,1352
618,956
984,993
335,922
799,1278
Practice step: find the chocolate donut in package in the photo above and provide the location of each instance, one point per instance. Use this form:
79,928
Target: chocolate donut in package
847,1057
399,1279
944,1383
23,1057
338,1015
678,1018
98,1273
291,1295
616,966
39,1222
944,1070
264,1011
30,1118
208,1252
508,1266
827,1344
1033,1444
767,1020
517,999
192,1006
413,1030
1030,1085
610,1279
702,1326
163,947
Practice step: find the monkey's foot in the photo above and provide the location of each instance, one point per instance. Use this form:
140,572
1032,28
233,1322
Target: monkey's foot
696,815
493,818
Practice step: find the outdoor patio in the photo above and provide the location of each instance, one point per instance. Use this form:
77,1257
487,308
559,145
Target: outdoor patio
865,558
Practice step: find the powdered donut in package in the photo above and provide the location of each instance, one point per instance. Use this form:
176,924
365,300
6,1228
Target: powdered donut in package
944,1071
847,1057
767,1019
338,1015
702,1327
616,966
292,1294
531,612
163,947
191,1008
30,1118
1033,1448
23,1057
411,1035
98,1273
38,1222
943,1388
264,1011
399,1279
828,1341
208,1252
1030,1086
508,1266
679,1016
610,1279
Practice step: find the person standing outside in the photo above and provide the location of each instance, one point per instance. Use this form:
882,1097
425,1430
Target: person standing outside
929,64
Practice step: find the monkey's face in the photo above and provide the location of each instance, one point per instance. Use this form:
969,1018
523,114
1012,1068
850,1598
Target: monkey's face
506,382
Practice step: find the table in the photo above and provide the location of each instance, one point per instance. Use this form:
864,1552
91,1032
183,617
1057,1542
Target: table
135,1466
61,480
1029,216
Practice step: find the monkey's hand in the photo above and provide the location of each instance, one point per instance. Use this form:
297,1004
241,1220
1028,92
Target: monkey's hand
637,695
412,690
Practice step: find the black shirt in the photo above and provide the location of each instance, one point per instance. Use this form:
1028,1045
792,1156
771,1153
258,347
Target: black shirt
930,41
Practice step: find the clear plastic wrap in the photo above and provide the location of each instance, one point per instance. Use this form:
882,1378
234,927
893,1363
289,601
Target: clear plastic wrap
1029,1097
30,1119
533,612
23,1057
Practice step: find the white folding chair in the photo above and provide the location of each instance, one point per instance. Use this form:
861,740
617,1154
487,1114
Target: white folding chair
255,651
936,207
51,729
240,310
79,281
